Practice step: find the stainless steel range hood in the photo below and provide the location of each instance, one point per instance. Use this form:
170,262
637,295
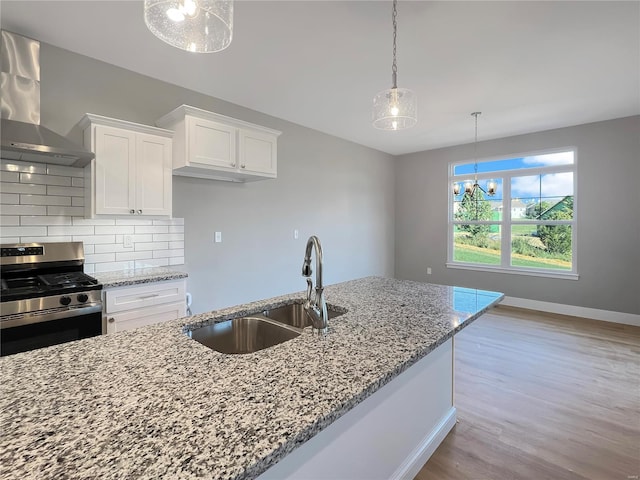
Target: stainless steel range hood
23,138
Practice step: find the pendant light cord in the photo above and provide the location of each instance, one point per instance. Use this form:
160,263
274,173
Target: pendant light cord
394,67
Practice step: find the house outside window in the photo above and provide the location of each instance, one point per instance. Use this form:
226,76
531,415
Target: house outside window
526,226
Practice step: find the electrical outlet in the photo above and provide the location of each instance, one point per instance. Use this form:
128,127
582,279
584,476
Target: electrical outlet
295,234
218,237
428,270
128,241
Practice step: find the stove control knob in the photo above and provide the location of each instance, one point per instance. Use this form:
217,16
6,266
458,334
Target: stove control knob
65,300
83,297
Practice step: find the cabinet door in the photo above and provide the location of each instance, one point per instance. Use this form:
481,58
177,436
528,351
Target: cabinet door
258,152
153,175
115,170
211,144
118,322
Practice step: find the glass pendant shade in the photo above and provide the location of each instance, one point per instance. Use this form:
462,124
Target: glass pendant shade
201,26
456,188
395,109
468,186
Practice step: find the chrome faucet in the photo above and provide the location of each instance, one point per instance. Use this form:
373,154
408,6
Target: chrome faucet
316,308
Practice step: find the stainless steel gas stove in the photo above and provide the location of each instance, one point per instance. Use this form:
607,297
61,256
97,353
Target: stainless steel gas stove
46,298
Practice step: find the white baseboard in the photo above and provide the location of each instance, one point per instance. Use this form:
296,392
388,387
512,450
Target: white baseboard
575,311
416,460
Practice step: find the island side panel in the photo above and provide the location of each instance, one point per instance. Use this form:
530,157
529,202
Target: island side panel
391,434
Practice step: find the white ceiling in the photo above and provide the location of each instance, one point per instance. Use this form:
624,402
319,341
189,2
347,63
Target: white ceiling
528,66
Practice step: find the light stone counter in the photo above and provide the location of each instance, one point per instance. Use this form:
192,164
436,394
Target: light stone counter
152,403
137,276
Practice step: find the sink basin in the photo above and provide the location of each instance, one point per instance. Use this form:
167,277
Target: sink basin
295,315
244,334
256,332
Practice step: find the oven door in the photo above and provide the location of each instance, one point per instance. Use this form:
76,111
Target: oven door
48,332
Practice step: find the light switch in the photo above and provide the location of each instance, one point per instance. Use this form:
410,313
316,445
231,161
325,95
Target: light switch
218,237
295,234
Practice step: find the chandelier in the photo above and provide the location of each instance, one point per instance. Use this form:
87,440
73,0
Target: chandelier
396,108
472,187
202,26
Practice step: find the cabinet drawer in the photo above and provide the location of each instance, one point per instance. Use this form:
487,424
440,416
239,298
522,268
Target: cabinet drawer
120,322
128,298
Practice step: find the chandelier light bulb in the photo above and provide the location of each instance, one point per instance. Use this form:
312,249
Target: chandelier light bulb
492,187
456,188
468,186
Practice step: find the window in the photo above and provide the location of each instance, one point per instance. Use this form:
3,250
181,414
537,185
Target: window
519,218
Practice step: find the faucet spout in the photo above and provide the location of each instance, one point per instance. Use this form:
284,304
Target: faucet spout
315,307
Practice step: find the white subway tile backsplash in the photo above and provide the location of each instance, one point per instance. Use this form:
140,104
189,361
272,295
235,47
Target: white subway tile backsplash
23,210
24,188
140,246
152,229
111,267
46,239
133,221
167,237
168,253
9,220
71,230
45,179
9,198
10,177
170,221
122,256
65,191
17,166
45,203
118,230
44,200
93,221
65,171
70,211
156,262
44,220
24,231
94,239
146,237
99,257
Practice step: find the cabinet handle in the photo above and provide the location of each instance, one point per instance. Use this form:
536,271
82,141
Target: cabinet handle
139,212
111,320
233,164
242,166
146,297
132,212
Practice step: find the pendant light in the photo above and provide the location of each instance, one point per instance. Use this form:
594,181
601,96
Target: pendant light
396,108
472,187
202,26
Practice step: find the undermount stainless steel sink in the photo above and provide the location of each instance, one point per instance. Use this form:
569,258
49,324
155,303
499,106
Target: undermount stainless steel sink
256,332
295,315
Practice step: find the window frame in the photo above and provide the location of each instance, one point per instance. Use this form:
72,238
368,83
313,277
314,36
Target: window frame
507,222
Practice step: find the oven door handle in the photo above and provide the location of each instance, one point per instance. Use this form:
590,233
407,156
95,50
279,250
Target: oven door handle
19,319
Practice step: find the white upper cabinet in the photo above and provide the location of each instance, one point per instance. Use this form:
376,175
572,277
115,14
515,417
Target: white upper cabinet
209,145
131,174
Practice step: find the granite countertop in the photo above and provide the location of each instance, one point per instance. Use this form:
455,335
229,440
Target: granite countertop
153,403
123,278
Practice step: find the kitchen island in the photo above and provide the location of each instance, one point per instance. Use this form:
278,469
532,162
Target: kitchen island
153,403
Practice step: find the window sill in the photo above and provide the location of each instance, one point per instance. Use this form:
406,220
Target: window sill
513,271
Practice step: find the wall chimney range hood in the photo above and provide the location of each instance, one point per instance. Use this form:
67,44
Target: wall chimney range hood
23,138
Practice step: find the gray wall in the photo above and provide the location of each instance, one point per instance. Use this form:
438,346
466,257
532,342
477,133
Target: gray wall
608,217
336,189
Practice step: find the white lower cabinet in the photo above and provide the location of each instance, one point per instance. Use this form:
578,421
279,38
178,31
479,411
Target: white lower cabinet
139,305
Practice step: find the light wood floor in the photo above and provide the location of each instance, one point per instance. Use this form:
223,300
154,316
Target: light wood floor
543,396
